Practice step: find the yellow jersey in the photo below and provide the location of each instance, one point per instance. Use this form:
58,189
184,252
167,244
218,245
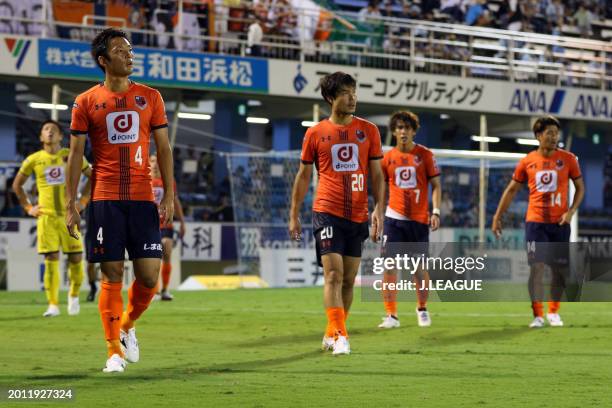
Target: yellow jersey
50,173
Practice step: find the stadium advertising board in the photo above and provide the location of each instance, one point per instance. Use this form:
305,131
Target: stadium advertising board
290,78
18,55
202,242
70,59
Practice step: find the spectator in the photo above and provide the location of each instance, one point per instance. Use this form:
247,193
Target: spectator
254,38
555,13
452,8
388,9
446,206
582,19
428,6
477,14
370,11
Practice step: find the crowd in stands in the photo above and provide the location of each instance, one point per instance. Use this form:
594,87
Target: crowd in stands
539,16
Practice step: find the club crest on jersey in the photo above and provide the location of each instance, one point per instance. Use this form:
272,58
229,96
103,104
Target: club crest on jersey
141,102
345,157
559,164
417,160
361,137
546,181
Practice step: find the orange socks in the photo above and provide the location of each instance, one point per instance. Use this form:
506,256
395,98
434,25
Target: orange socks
390,296
538,309
553,307
139,299
110,305
422,294
335,322
166,269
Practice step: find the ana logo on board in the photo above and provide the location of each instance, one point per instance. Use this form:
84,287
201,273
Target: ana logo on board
530,101
18,48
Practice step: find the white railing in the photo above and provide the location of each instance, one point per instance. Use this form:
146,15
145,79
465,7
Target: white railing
395,44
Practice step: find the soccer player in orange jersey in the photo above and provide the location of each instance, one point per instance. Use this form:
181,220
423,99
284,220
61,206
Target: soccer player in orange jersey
547,172
344,149
119,116
409,168
166,229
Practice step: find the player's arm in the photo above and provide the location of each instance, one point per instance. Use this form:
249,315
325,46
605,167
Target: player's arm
178,208
378,190
503,205
166,168
436,199
24,201
300,188
578,197
73,175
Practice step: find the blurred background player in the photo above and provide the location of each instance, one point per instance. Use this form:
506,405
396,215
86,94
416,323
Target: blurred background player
119,116
408,168
48,166
344,148
167,229
92,276
546,171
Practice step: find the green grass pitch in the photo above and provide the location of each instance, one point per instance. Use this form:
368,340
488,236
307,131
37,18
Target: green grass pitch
260,348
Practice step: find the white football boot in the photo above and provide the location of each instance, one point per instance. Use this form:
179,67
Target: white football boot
52,311
554,319
537,323
327,343
423,318
341,346
129,345
73,306
115,364
389,322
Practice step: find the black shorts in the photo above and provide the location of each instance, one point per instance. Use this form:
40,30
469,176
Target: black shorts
338,235
116,226
407,237
547,243
167,233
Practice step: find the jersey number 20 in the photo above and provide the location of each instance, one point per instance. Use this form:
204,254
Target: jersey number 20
357,182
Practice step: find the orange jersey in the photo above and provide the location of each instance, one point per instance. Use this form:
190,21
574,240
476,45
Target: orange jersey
408,176
548,181
341,155
158,194
119,128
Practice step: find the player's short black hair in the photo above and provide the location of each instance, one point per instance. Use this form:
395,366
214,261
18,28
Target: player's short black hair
54,122
331,84
407,117
543,122
99,45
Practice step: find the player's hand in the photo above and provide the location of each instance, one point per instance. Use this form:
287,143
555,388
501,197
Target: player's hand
34,211
377,225
295,229
566,218
166,209
73,222
497,227
182,230
434,222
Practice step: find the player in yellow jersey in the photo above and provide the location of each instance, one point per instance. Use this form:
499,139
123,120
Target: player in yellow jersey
48,167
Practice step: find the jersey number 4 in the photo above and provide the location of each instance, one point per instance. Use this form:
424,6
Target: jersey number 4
99,236
138,156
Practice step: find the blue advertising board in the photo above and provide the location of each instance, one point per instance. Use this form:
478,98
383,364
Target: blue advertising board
70,59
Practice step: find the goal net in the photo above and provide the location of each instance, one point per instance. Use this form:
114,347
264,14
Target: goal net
261,194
